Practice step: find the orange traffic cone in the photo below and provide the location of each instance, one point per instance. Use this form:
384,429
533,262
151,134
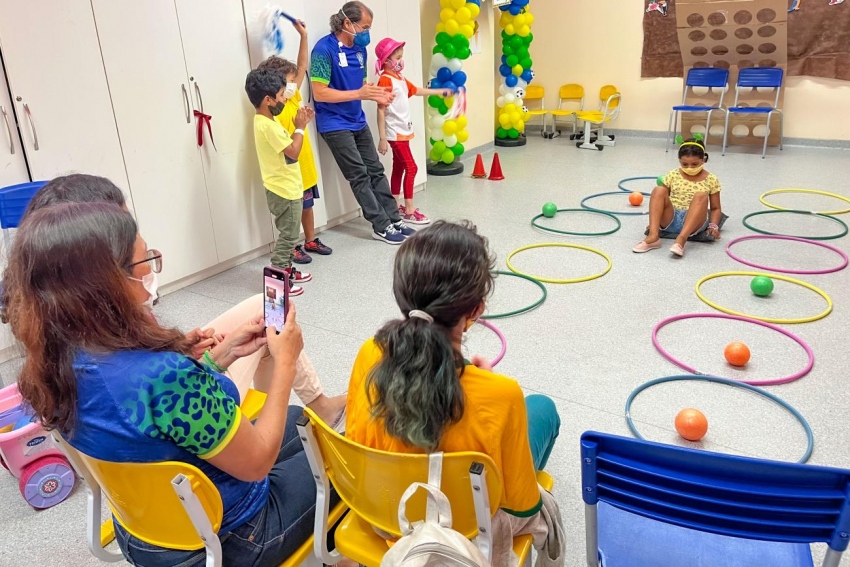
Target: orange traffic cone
478,172
496,169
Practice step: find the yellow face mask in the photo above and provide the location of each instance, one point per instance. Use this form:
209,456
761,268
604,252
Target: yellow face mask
692,171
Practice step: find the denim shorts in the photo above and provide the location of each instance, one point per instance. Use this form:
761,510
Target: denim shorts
678,222
309,196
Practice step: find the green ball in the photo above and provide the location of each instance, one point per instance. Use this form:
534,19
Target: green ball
458,149
550,210
513,133
501,133
659,181
512,61
762,286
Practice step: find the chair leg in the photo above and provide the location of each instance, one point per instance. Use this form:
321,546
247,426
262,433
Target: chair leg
725,134
591,535
669,130
832,558
781,130
766,135
707,125
587,145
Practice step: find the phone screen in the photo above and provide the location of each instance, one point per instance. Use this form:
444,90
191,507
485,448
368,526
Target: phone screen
275,297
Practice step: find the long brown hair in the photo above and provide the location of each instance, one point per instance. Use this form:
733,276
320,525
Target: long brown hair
68,291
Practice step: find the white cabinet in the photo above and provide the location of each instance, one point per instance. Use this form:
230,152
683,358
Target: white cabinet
216,53
13,167
59,89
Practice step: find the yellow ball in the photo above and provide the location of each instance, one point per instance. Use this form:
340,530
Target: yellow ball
462,136
449,127
467,30
441,27
452,27
517,70
458,4
463,15
523,31
447,14
519,20
474,9
462,122
509,29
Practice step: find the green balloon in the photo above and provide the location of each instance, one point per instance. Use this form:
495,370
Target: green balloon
762,286
513,133
464,53
460,41
512,61
433,141
458,149
528,39
501,133
450,51
435,155
526,63
550,210
435,101
505,35
516,41
448,157
522,52
440,147
507,49
443,108
443,38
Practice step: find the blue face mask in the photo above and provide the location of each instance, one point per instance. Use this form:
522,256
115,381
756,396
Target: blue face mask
362,38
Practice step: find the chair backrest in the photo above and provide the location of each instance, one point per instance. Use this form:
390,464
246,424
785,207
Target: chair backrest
144,502
14,200
571,91
756,77
534,92
605,93
372,482
707,77
722,494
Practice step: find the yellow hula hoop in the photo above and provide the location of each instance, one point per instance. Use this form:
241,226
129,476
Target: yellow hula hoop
560,245
827,193
766,319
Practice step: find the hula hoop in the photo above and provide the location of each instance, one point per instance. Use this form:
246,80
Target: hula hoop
560,245
556,231
589,197
693,370
817,317
810,191
499,334
627,179
777,400
796,212
783,270
524,309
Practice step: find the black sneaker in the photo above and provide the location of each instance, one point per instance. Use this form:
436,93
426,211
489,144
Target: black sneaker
390,235
403,228
301,257
317,247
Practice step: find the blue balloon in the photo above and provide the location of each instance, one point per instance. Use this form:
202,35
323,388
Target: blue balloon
435,84
527,76
444,74
511,81
514,10
504,59
459,78
449,85
505,71
504,8
476,2
520,2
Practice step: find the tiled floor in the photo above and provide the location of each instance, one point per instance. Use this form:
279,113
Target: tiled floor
588,346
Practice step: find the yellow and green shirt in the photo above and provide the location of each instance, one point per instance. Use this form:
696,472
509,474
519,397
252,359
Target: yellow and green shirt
682,191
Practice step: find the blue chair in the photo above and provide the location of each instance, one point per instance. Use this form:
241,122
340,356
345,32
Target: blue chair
768,77
716,78
14,201
648,504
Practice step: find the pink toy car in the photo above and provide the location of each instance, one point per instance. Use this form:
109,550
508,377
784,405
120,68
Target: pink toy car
44,475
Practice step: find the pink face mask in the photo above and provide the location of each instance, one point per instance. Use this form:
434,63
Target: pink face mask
397,66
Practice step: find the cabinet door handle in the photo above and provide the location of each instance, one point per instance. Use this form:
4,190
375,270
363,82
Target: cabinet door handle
8,130
186,103
200,98
32,126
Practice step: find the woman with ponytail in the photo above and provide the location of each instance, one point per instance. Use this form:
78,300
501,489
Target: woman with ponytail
411,390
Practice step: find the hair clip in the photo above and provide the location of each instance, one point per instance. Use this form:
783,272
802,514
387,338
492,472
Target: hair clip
679,140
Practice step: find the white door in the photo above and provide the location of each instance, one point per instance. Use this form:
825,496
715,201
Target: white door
59,88
216,50
150,90
13,166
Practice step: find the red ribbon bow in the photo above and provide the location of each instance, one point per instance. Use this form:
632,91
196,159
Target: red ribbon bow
204,119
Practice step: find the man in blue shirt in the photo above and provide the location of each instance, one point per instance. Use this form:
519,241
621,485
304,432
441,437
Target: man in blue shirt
338,77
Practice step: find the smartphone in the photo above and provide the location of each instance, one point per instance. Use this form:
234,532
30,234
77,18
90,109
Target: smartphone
275,297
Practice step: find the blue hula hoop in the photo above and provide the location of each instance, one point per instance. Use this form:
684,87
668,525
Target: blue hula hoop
627,179
589,208
764,393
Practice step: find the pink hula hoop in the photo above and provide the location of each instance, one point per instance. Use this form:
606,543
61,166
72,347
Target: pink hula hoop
693,370
499,334
781,270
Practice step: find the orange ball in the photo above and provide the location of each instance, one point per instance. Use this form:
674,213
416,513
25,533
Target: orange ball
691,424
737,354
636,198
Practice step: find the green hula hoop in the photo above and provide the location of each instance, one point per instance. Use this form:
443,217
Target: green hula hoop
523,309
795,212
570,233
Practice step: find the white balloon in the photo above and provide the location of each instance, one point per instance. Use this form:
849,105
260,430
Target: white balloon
438,121
509,98
437,134
521,84
504,89
454,64
519,102
439,61
450,141
500,102
433,70
519,92
432,112
525,109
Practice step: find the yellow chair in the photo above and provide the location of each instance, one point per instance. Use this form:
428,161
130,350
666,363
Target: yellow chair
568,94
594,121
371,484
536,94
140,500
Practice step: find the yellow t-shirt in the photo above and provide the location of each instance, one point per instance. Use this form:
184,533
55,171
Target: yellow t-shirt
682,191
494,422
309,175
280,176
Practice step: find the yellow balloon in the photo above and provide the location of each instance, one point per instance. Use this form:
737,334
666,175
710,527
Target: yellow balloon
504,120
474,9
510,107
449,127
452,27
463,15
519,20
458,4
449,101
461,122
515,116
441,27
523,31
529,18
510,30
462,136
447,14
517,69
445,3
467,30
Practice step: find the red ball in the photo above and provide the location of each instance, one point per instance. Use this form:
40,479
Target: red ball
737,354
691,424
636,198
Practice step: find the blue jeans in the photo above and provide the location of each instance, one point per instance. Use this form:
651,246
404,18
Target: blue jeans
543,427
270,537
678,223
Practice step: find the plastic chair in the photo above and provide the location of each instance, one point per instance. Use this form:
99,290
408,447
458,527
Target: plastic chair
372,482
141,501
609,109
568,94
662,505
712,78
536,93
757,78
14,200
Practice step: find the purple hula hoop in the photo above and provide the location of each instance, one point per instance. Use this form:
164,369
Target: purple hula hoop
693,370
794,238
499,334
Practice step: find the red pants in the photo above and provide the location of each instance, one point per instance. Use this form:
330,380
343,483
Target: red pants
403,163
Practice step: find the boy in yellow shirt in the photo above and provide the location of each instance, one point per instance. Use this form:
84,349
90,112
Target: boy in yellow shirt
278,154
294,75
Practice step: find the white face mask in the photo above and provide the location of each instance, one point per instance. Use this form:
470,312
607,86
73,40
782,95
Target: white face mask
291,89
150,283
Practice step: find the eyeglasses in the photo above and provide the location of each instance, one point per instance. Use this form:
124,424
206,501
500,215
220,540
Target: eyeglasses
152,256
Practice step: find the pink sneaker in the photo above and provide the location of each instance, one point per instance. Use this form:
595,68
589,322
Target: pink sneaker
416,218
642,246
677,250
